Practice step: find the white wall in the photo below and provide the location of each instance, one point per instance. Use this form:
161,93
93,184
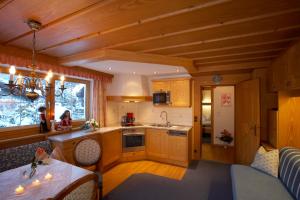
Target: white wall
223,114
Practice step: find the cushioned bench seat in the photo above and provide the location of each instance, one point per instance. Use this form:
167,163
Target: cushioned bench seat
251,184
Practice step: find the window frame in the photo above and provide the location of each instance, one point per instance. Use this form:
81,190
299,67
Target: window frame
50,100
74,80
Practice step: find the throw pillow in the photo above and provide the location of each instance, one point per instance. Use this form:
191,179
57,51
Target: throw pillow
267,161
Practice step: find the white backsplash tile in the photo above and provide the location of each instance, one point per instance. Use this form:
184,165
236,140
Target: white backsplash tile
145,112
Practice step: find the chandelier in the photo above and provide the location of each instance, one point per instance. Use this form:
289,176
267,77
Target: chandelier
31,86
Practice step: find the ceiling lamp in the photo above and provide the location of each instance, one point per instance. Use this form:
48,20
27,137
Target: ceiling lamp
31,86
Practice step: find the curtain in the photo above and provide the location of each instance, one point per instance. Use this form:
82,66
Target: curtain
99,101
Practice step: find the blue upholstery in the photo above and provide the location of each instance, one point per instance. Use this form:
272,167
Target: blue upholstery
289,170
18,156
251,184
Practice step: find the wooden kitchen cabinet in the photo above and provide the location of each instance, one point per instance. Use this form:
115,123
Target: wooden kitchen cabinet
157,143
178,148
111,144
180,93
162,147
180,90
161,86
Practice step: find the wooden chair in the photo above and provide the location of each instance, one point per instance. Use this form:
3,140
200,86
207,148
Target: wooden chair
87,154
85,188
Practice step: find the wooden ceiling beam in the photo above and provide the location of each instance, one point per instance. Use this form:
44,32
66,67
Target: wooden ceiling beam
65,18
108,54
202,28
234,47
238,54
220,62
137,23
221,39
4,3
216,69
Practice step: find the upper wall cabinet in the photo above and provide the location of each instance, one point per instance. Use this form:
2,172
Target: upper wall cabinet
285,70
180,90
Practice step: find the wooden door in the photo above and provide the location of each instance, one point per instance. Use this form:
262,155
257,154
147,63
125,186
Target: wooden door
177,148
111,144
180,93
247,136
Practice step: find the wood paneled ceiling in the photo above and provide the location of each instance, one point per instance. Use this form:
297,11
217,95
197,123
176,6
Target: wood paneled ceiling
208,33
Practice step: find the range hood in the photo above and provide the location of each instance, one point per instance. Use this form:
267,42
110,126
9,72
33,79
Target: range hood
129,88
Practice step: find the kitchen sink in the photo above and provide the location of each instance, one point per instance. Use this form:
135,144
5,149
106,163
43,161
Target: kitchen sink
166,126
161,125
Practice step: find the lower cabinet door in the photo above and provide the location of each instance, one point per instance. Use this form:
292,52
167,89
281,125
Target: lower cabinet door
111,147
177,148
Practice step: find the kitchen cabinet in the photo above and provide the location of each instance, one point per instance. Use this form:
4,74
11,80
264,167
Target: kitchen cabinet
161,85
111,145
180,93
164,147
180,90
157,143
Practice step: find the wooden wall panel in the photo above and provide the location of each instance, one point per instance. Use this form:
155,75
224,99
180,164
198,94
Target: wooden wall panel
288,119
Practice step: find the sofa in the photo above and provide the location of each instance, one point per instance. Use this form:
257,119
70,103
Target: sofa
251,184
14,157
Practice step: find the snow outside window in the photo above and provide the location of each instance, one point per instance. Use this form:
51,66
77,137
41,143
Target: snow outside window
73,99
17,110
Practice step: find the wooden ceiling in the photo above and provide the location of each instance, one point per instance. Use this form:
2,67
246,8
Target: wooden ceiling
208,33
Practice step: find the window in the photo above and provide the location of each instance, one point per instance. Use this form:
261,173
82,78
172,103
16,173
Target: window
17,110
73,99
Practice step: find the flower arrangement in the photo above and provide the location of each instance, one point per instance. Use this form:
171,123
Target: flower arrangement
40,158
226,136
92,123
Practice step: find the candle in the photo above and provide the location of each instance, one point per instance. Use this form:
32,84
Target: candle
12,71
19,190
48,176
20,79
50,74
47,79
62,79
36,182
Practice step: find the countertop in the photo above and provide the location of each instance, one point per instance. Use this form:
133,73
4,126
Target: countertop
102,130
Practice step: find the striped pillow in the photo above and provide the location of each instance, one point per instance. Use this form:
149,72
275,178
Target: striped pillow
289,170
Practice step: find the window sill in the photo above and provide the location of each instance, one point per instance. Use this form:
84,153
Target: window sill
16,128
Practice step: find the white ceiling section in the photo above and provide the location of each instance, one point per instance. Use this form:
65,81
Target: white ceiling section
125,67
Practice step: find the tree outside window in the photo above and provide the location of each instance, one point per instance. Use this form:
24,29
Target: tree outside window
73,99
17,110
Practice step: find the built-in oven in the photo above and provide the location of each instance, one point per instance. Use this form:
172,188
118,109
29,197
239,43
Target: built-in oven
133,139
161,97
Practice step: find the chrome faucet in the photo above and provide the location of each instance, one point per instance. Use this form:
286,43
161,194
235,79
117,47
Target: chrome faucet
161,116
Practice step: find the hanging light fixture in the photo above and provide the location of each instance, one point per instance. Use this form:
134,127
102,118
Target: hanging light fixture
31,86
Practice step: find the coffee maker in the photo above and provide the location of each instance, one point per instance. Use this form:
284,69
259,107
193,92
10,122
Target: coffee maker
128,119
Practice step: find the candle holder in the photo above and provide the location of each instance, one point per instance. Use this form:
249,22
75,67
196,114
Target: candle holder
62,88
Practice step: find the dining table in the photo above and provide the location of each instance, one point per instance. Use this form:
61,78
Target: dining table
47,182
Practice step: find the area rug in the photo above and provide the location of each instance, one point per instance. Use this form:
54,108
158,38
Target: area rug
204,180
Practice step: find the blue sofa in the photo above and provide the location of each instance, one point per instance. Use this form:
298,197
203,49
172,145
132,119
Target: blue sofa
251,184
14,157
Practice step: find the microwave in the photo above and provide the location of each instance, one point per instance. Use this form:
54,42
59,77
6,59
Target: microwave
162,98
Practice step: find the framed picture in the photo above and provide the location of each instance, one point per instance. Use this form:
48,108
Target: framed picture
226,100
